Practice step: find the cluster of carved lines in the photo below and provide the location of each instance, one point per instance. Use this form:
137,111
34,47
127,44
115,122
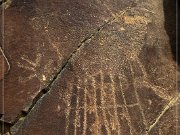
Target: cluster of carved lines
137,97
104,108
30,65
144,81
35,65
133,56
157,89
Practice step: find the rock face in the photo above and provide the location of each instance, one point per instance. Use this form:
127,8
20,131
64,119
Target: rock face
39,39
89,68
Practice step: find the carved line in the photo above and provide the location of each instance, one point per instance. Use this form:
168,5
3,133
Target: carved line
24,80
85,109
57,51
137,97
77,110
103,105
31,67
95,104
68,110
25,67
142,67
34,64
115,104
157,90
126,109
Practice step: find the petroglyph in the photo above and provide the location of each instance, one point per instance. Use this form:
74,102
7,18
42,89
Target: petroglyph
67,100
95,100
115,105
124,97
122,15
126,113
137,97
159,91
102,101
55,47
143,80
132,57
39,67
106,123
95,126
85,110
77,119
32,66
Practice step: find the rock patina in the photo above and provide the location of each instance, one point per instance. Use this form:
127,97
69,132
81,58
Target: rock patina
89,68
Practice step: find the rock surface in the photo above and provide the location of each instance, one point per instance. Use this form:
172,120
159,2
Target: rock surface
89,68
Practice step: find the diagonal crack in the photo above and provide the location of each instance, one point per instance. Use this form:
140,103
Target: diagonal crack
167,107
44,91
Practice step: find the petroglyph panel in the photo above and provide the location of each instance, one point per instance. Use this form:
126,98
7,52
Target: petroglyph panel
40,68
150,101
96,104
157,74
107,86
40,38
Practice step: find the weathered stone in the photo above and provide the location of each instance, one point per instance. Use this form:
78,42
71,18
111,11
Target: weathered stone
121,82
39,38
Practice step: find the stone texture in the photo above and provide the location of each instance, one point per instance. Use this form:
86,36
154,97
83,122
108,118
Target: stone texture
119,82
39,38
